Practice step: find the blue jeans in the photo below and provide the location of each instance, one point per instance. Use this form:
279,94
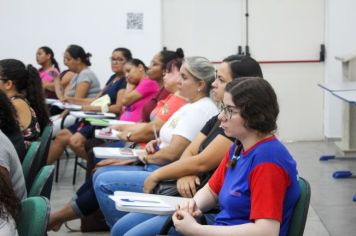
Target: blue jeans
133,224
109,179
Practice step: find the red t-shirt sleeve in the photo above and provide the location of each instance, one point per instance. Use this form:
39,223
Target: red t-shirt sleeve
268,184
217,179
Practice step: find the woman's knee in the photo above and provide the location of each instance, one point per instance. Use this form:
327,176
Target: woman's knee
77,140
63,137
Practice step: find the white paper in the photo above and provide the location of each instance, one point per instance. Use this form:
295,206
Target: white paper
99,133
82,114
137,201
111,122
108,152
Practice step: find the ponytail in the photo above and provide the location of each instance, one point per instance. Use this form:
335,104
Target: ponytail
35,96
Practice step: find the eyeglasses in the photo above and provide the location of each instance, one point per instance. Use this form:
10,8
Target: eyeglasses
228,111
116,60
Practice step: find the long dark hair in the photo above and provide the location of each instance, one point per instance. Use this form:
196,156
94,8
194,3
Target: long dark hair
9,203
28,82
8,121
49,51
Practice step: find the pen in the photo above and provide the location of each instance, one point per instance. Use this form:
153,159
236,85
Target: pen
129,200
156,137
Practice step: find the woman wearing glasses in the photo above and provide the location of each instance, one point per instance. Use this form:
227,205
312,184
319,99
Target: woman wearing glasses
79,132
256,185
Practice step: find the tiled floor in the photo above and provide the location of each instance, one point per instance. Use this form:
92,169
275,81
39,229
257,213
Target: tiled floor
332,211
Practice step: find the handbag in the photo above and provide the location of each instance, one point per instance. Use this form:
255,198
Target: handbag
169,187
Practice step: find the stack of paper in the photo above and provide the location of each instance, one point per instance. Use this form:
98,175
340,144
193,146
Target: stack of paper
107,122
119,153
85,114
146,203
64,105
113,134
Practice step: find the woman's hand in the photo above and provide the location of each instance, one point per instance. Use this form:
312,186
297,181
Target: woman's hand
184,222
112,162
153,146
186,185
150,183
191,207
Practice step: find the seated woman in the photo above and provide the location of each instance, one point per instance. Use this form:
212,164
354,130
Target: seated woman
48,71
80,132
197,75
10,207
10,126
258,198
156,71
10,166
139,90
23,87
205,153
84,84
85,203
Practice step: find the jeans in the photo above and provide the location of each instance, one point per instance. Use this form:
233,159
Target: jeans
109,179
133,224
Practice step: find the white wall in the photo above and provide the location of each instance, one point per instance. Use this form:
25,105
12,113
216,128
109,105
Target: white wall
97,26
340,40
279,30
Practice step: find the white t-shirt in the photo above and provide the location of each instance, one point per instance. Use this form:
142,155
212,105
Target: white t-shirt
188,120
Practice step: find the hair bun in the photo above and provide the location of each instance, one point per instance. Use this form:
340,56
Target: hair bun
88,55
180,52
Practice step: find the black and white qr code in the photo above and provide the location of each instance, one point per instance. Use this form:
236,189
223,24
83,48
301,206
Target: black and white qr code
134,21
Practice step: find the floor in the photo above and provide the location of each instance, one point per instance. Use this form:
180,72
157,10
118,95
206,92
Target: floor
332,211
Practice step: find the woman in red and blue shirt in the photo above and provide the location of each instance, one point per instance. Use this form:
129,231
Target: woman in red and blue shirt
256,185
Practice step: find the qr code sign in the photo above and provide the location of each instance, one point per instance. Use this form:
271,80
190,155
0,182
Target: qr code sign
134,21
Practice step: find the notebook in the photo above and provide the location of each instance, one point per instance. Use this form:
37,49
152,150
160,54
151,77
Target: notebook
145,203
102,134
85,114
120,153
107,122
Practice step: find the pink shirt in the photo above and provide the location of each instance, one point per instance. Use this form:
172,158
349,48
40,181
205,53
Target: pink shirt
48,75
147,88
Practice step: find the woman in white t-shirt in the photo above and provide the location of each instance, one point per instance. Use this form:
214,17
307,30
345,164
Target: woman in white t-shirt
197,75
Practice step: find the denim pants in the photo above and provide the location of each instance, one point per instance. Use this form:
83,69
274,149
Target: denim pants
133,224
109,179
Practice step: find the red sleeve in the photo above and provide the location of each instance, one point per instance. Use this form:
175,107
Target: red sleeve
268,184
217,179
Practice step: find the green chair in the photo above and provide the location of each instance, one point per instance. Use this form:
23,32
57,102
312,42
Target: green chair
29,160
300,212
298,220
33,216
42,185
41,157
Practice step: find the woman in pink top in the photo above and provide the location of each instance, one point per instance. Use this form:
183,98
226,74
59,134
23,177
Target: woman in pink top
139,90
48,71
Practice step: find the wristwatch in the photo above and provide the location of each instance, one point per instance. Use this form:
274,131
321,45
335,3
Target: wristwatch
128,135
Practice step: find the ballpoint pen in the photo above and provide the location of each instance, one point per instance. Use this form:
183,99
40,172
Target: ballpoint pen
156,137
129,200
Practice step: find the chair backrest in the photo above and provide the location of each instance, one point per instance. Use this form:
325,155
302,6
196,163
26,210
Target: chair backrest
29,159
42,185
42,154
34,216
300,212
45,140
